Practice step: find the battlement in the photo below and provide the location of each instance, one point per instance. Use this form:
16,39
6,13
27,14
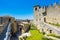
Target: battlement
50,6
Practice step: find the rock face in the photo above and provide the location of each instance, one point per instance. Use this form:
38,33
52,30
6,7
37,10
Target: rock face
13,27
1,28
3,22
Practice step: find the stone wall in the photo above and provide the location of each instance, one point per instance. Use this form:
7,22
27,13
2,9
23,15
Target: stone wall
53,14
48,14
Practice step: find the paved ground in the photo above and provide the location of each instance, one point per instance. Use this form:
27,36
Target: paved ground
55,29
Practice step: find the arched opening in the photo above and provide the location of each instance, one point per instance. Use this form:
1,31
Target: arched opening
45,19
36,9
9,19
20,29
42,30
50,31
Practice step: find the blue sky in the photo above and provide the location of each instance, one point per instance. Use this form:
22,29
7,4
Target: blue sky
21,9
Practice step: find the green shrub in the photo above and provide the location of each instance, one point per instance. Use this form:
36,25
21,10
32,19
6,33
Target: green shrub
42,33
32,27
49,23
21,38
25,37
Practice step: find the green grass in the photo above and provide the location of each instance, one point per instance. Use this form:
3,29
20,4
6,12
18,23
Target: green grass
35,35
57,24
44,38
54,35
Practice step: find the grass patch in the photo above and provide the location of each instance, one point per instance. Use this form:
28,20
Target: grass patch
44,38
35,35
54,35
57,24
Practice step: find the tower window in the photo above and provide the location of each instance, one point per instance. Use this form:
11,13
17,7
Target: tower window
50,31
45,19
36,9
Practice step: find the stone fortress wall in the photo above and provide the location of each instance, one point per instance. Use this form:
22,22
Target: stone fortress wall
46,14
53,14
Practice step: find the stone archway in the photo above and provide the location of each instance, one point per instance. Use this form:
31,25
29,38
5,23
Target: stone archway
20,29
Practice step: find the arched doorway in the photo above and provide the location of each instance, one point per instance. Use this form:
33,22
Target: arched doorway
20,29
50,31
44,19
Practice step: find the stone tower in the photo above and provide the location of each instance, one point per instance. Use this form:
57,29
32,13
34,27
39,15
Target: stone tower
36,11
39,16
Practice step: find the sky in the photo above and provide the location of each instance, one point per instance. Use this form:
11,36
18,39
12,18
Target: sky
22,9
